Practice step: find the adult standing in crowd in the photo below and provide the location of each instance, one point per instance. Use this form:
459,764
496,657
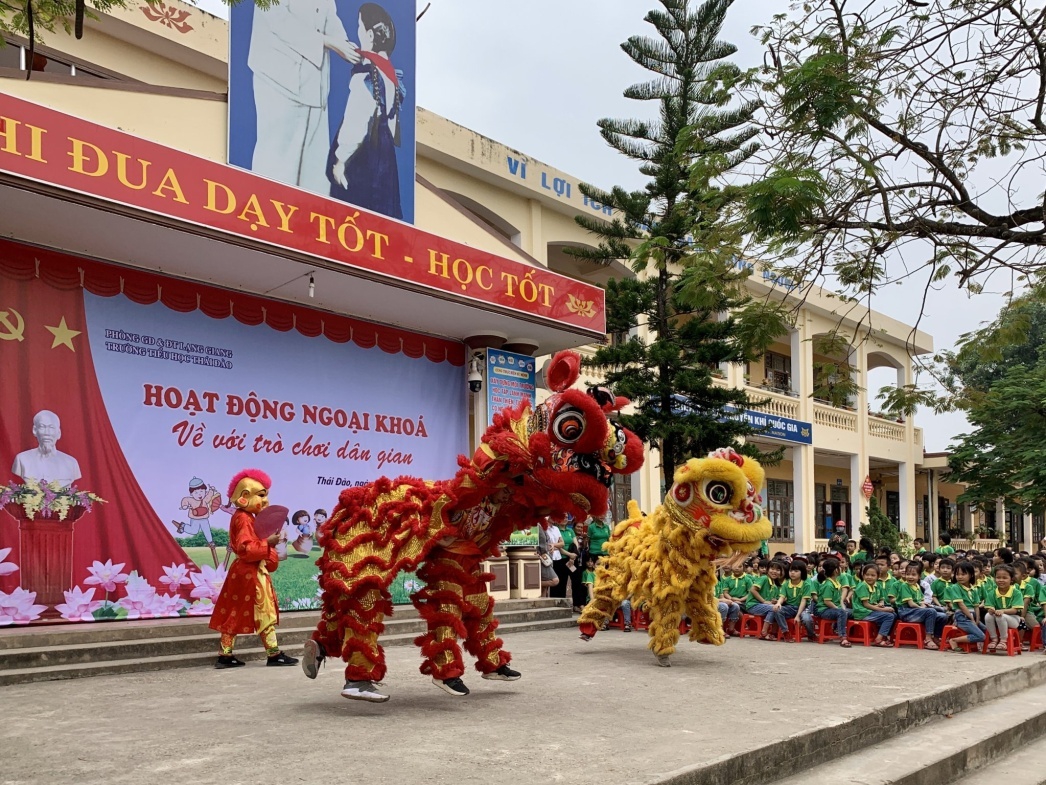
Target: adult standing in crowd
599,531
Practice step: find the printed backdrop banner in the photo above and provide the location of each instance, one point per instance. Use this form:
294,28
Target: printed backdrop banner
152,393
321,95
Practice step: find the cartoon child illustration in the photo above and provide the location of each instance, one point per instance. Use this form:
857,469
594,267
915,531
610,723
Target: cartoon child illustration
201,503
302,530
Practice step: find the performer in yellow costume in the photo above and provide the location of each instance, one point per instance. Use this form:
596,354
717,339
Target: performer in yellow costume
667,560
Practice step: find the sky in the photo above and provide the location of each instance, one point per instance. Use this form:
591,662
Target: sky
537,75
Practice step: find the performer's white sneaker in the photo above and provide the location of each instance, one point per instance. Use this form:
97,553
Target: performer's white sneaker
504,673
312,658
363,691
455,687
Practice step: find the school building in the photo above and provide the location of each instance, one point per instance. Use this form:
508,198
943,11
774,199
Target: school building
159,73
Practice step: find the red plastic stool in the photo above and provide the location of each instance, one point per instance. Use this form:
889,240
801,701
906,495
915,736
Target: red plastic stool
826,630
618,621
951,631
684,627
751,626
1035,639
794,634
907,633
860,632
1013,643
640,620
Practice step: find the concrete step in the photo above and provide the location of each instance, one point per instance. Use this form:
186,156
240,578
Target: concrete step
206,658
1026,766
70,634
292,632
944,749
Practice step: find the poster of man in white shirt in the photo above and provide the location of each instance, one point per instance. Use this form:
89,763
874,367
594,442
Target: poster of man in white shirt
321,97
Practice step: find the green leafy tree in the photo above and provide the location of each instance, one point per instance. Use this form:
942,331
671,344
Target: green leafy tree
904,141
688,308
880,529
998,378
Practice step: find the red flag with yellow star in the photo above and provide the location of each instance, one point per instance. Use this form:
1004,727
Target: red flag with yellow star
47,366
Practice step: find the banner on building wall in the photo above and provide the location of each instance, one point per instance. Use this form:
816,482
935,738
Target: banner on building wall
152,393
510,379
322,96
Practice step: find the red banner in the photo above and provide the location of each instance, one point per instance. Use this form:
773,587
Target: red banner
55,148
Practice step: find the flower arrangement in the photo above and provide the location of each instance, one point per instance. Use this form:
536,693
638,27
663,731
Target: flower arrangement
47,499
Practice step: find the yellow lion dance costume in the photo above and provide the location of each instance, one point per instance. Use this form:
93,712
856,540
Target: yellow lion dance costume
667,560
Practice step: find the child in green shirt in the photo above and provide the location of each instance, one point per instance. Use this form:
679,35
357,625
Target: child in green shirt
588,578
871,604
944,547
792,597
829,605
733,591
963,598
911,606
1004,606
763,594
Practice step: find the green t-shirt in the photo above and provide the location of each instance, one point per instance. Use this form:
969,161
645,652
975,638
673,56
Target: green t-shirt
793,595
1012,599
737,588
569,535
938,588
831,589
906,591
766,588
945,550
971,596
1037,593
875,595
847,579
589,577
598,534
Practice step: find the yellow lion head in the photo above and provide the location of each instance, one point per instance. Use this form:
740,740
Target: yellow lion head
718,498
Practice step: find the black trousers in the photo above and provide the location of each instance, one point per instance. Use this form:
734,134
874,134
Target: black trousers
560,589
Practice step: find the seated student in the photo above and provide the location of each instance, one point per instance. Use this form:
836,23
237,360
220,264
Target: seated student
1031,589
1004,606
928,563
945,545
846,580
920,548
1002,556
734,592
964,598
911,606
871,604
793,596
763,594
945,572
829,604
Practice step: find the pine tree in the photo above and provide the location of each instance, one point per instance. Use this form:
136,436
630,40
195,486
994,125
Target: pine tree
689,296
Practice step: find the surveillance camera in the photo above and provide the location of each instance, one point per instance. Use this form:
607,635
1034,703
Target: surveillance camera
475,380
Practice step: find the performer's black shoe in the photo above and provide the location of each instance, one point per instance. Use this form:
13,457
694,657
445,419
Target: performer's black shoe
504,673
228,661
312,658
279,658
455,687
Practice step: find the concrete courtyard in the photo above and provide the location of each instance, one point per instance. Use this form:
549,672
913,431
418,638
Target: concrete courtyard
583,713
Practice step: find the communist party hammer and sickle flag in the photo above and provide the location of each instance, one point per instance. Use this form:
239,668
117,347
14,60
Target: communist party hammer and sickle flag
12,331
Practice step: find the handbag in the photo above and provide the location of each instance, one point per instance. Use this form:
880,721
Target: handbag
546,560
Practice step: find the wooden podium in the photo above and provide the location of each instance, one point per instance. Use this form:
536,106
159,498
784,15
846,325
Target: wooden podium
46,555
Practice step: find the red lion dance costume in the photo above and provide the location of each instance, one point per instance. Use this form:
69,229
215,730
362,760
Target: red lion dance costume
555,461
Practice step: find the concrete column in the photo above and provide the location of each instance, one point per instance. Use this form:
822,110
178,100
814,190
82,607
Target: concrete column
859,460
1026,539
858,504
906,487
933,525
534,241
804,489
1000,520
802,366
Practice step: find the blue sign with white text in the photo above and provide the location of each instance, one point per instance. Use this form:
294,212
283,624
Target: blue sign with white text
510,379
782,428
